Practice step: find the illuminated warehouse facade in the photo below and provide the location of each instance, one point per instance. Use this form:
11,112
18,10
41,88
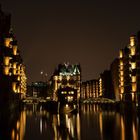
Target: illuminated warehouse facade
66,76
129,70
105,85
12,70
90,89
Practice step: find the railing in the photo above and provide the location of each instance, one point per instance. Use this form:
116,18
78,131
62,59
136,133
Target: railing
33,100
99,101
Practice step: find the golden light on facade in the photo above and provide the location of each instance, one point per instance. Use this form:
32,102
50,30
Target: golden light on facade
134,87
121,54
7,41
19,67
60,77
122,90
55,78
122,83
121,67
121,97
14,71
14,50
14,87
18,78
6,60
132,41
121,62
121,78
121,73
133,78
133,51
68,77
6,70
133,65
14,65
18,89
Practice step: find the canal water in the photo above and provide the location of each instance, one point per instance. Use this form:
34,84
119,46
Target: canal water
90,123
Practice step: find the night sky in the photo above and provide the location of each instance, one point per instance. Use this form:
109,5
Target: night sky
86,32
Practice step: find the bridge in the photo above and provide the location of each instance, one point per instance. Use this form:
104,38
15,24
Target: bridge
98,101
31,100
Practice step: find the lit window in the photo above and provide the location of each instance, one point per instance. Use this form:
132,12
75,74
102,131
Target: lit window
14,65
122,89
6,70
14,87
121,54
121,78
71,92
14,50
14,71
133,87
133,78
121,73
132,41
133,51
122,83
63,92
121,62
121,67
7,42
133,65
6,61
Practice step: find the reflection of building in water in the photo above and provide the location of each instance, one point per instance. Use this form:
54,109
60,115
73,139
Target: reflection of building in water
129,127
110,124
19,131
90,108
66,75
66,126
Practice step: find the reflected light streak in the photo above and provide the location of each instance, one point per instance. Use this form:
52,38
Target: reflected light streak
101,124
54,127
78,127
122,129
13,134
134,132
22,125
41,125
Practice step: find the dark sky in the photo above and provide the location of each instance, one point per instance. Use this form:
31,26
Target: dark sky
86,32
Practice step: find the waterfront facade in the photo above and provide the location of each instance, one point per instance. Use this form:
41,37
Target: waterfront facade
114,68
90,89
12,69
129,71
66,76
105,85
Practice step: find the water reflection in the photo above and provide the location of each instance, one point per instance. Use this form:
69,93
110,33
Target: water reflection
92,122
109,124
